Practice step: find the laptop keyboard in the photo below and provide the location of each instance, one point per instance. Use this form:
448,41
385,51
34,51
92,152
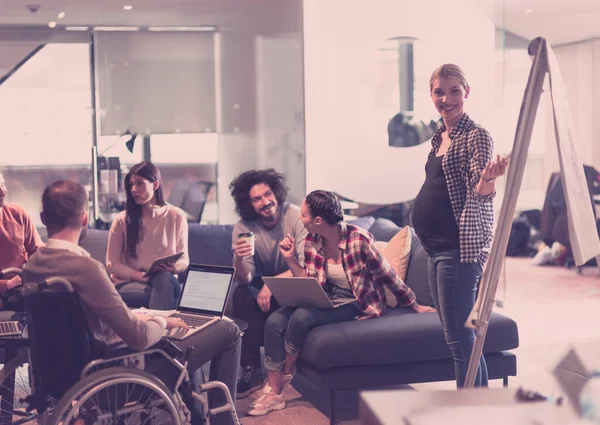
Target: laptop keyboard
192,321
10,328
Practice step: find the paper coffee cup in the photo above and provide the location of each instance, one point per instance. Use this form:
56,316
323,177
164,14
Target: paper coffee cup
248,237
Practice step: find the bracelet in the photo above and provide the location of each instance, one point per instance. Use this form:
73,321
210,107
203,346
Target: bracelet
488,180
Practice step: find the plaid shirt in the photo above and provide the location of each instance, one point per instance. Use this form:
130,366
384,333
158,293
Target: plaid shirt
470,150
366,269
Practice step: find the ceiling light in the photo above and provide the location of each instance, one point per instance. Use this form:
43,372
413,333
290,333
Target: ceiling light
116,28
52,24
127,7
61,15
77,28
529,11
204,28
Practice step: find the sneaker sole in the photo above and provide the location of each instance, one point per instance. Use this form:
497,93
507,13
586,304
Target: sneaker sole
248,392
263,412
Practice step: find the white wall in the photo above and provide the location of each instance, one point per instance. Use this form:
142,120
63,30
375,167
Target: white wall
280,99
260,29
596,97
346,135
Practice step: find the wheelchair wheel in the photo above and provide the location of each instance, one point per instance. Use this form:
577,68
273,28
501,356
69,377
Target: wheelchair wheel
117,396
15,389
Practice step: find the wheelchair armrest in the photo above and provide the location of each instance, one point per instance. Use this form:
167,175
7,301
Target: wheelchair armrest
168,347
116,350
122,349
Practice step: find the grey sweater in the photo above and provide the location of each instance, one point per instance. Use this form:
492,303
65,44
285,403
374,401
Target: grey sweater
267,260
107,315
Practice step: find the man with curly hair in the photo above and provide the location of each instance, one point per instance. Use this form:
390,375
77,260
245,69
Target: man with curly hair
260,199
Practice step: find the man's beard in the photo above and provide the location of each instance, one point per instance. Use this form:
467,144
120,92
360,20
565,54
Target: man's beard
267,208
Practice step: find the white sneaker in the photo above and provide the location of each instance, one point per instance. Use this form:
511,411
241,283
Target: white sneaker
544,256
267,402
285,383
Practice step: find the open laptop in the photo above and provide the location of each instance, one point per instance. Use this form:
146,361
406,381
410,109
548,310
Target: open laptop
302,292
203,298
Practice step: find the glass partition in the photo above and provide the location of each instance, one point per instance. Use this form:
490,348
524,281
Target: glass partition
46,123
204,90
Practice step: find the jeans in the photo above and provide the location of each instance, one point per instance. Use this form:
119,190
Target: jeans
454,289
161,292
246,308
287,328
220,344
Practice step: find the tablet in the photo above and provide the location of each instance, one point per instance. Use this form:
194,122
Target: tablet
163,260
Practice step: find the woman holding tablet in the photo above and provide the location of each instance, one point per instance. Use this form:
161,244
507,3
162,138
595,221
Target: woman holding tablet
148,229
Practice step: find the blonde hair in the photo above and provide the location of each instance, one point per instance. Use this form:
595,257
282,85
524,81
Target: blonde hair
448,70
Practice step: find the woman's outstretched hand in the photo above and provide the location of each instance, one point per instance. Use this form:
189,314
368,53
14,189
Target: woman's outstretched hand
495,168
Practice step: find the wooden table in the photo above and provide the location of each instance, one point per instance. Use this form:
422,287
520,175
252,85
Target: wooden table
391,407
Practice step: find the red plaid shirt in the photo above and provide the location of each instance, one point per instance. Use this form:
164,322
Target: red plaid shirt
366,269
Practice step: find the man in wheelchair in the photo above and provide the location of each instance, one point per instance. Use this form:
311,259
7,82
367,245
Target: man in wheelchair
64,213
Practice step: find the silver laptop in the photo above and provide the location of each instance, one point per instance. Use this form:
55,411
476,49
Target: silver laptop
302,292
203,298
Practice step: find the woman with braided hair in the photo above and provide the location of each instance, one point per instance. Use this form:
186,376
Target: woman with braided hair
344,260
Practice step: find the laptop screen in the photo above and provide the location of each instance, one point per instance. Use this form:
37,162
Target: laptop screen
206,289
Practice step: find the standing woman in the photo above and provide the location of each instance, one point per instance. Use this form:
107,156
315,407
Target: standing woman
453,215
148,229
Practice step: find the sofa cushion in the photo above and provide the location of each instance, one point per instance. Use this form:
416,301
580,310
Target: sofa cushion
398,336
417,277
95,242
207,244
210,244
397,252
365,222
384,229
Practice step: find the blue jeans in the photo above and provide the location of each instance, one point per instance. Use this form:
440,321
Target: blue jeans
220,344
287,328
246,308
454,289
162,292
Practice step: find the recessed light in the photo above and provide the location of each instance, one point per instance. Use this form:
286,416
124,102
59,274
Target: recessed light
116,29
61,15
77,28
52,24
127,7
204,28
529,11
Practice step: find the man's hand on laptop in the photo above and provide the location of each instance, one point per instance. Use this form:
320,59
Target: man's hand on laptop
422,308
173,323
286,246
264,299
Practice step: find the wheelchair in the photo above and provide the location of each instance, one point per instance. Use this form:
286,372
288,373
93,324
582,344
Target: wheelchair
66,377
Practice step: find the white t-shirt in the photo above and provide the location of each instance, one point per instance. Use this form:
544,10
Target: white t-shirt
336,275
